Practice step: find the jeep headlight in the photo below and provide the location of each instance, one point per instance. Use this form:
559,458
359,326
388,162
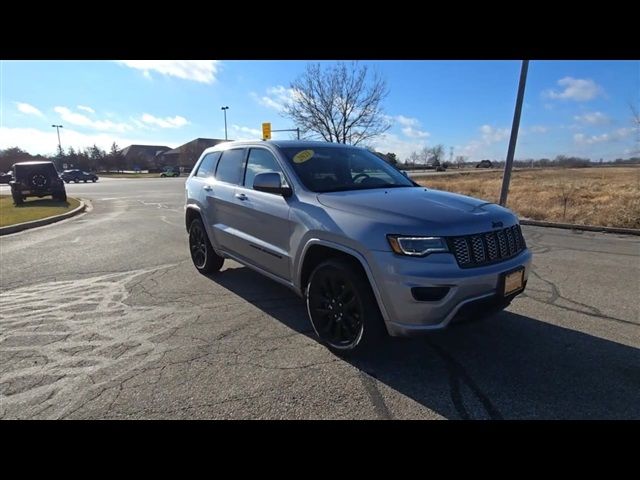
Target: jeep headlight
417,246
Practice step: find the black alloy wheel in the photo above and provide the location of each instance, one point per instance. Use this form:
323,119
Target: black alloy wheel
342,308
203,256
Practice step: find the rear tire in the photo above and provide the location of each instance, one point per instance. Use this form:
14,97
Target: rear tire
76,180
163,176
343,309
204,258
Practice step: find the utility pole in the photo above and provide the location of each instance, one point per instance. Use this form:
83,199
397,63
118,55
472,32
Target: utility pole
506,177
224,109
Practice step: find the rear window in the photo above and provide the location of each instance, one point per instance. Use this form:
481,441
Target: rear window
231,166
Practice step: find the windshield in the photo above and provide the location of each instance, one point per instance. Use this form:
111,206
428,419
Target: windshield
334,169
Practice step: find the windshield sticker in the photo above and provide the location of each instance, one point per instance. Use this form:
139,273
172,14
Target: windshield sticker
303,156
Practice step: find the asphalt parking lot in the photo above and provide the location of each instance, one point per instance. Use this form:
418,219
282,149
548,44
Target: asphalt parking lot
103,316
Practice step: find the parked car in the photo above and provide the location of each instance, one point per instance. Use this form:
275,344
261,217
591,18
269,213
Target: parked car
77,176
36,179
6,177
484,164
170,172
372,252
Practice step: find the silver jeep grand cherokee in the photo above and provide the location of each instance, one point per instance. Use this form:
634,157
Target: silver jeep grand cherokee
371,252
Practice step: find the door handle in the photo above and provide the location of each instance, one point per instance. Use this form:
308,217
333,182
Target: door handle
207,188
241,196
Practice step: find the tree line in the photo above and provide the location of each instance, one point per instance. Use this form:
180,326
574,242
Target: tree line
91,159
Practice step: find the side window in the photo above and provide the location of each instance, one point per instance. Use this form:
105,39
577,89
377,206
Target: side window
231,166
260,161
207,167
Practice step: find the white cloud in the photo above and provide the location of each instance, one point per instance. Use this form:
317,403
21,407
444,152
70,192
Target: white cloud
241,133
593,118
410,126
28,109
86,109
81,120
493,134
203,71
539,129
577,89
45,142
489,145
616,135
406,121
415,133
276,97
390,142
167,122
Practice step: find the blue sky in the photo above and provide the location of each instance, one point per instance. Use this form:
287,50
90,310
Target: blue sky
570,107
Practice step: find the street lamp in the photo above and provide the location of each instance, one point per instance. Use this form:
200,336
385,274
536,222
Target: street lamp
58,127
224,109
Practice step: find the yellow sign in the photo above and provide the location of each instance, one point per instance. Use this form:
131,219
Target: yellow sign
303,156
266,131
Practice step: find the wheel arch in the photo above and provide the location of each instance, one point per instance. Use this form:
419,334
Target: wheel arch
316,251
191,212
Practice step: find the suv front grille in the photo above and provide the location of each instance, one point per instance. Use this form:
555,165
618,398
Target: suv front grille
486,248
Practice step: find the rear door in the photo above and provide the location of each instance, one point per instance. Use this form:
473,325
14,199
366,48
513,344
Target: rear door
222,209
200,187
263,228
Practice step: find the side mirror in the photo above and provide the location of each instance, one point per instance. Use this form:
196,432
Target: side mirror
271,183
404,172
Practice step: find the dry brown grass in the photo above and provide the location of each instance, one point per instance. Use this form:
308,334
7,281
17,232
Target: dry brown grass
593,196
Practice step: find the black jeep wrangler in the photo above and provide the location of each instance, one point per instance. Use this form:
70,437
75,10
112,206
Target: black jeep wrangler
36,179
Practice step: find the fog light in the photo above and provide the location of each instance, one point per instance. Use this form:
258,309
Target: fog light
429,294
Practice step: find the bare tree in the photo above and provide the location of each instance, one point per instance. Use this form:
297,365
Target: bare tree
437,153
413,158
460,160
339,103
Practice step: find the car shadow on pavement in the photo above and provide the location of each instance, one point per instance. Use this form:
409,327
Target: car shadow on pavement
509,366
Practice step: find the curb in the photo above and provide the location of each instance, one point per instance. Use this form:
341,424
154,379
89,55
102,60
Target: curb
18,227
589,228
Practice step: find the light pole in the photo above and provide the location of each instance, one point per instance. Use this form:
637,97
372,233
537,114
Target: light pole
58,127
224,109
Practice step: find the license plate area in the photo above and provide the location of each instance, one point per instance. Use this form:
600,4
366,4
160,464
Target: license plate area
512,281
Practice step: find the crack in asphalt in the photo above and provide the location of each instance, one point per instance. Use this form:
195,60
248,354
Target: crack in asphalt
556,295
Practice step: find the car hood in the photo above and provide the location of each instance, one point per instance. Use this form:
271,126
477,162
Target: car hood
419,210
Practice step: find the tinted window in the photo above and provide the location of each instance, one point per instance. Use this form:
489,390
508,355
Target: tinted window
231,166
332,169
207,167
260,161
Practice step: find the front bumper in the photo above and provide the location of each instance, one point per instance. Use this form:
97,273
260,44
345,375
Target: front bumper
396,275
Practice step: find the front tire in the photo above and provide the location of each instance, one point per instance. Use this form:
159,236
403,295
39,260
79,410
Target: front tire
17,198
204,258
343,309
163,176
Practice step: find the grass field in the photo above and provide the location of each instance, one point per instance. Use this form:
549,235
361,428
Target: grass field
32,209
586,196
